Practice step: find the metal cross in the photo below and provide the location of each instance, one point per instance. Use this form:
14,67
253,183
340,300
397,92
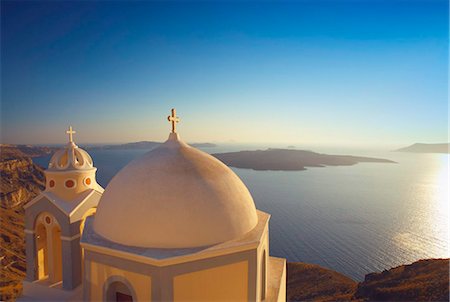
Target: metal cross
174,119
70,132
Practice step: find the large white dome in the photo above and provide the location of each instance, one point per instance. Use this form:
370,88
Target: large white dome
175,196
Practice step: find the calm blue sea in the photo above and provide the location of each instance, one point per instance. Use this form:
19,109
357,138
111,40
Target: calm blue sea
355,220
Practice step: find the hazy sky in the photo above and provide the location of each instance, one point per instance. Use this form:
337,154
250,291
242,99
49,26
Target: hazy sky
333,72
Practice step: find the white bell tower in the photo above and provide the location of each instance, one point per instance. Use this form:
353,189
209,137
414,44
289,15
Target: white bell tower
54,219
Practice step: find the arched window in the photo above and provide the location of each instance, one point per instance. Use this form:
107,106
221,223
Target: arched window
48,248
119,290
42,251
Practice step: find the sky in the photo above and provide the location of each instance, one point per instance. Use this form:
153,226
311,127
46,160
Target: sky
367,72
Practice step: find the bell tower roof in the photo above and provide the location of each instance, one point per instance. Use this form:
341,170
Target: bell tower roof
71,157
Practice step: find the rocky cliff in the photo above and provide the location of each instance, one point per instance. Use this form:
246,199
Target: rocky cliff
424,280
26,150
20,181
310,282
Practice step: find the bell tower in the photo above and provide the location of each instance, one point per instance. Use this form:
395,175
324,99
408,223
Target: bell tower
54,219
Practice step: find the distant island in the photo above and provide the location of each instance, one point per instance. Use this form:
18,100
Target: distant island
426,148
290,160
143,145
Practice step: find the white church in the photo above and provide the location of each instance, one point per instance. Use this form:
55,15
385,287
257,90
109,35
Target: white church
175,224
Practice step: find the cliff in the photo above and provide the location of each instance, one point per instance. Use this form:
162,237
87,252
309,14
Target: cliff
25,150
310,282
20,181
424,280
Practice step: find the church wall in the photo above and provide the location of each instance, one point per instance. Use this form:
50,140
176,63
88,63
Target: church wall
226,282
74,228
44,205
91,283
79,178
71,263
163,278
56,254
30,253
41,242
263,256
71,250
192,267
89,212
282,292
88,204
102,276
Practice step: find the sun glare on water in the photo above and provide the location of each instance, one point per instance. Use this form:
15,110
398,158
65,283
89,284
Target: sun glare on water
426,232
442,203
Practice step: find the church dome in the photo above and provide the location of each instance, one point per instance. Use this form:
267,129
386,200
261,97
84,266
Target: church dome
71,157
175,196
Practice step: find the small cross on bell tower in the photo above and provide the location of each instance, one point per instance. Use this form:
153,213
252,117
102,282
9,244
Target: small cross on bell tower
174,119
71,132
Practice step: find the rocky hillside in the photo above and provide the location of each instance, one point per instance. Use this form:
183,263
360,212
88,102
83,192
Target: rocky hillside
27,150
424,280
310,282
20,181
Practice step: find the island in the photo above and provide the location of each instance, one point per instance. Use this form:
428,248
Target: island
426,148
289,159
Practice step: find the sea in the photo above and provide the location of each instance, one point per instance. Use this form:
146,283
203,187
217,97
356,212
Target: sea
352,219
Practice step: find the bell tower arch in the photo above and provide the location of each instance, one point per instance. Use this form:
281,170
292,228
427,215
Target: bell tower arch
48,248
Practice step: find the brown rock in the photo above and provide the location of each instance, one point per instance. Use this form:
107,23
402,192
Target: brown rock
424,280
20,181
309,282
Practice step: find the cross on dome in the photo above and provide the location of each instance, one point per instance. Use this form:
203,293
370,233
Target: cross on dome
174,119
71,132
